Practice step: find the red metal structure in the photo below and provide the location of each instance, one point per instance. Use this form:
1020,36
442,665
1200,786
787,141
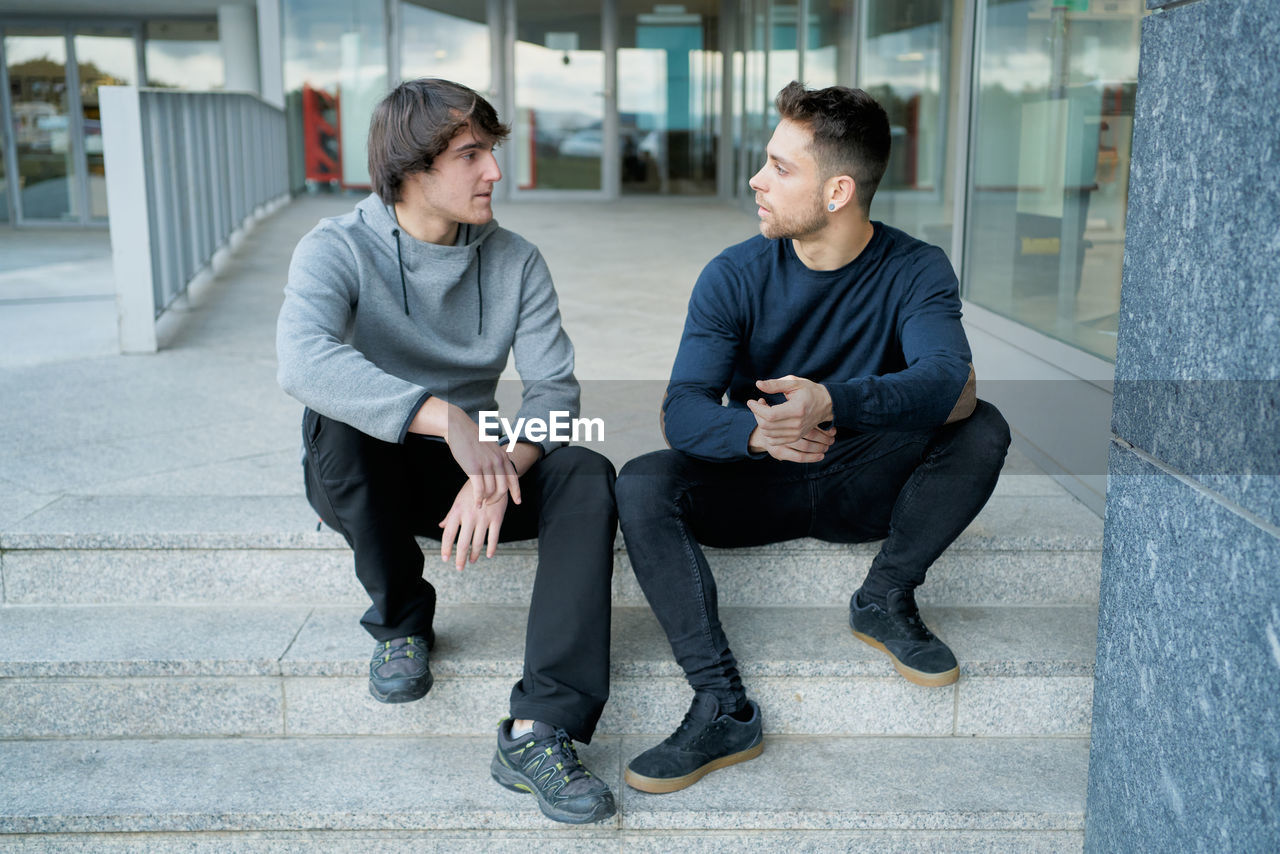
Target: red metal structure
322,143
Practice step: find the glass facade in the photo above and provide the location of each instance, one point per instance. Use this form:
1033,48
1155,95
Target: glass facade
669,95
1011,119
184,54
446,38
558,131
828,53
40,101
905,62
335,72
104,57
1053,120
52,168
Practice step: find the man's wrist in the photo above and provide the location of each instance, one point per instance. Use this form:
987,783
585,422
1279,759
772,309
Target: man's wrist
828,408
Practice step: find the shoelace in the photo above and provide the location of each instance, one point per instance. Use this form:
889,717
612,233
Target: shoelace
683,734
912,616
572,769
408,649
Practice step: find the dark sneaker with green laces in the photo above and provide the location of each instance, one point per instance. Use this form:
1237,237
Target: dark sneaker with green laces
897,630
545,763
705,740
400,669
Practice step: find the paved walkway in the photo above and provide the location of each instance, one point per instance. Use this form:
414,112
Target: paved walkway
204,417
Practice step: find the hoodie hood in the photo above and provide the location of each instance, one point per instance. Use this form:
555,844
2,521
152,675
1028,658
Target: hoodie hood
441,268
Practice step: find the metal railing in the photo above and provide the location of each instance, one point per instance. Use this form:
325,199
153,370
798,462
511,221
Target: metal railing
185,172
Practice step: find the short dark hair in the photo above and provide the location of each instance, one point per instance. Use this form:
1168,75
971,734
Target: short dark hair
850,133
413,125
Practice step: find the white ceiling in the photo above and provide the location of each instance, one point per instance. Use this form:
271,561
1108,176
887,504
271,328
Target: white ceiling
115,8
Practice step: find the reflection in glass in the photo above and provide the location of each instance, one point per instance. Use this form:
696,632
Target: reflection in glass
337,48
558,132
905,63
448,40
751,97
184,55
829,49
103,59
41,122
668,97
1052,130
784,52
4,177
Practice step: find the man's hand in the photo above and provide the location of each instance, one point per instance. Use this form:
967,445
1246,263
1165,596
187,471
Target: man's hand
808,405
490,467
469,524
810,448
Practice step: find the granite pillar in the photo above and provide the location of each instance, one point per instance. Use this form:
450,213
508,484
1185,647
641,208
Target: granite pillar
1186,720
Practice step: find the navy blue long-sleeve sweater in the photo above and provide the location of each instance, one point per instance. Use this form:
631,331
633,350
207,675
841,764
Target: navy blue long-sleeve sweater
882,333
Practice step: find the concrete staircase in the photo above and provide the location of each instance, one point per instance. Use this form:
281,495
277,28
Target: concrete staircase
187,674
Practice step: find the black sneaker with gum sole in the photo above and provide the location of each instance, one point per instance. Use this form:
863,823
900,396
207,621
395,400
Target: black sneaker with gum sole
705,741
898,631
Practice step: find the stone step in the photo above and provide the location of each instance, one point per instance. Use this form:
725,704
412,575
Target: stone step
434,794
1020,550
175,671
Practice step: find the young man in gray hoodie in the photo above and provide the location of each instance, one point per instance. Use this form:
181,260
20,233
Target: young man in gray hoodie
397,321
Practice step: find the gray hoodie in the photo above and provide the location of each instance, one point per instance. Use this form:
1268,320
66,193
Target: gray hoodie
374,322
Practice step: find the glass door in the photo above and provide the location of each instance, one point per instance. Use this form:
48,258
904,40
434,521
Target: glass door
669,96
559,134
45,184
104,57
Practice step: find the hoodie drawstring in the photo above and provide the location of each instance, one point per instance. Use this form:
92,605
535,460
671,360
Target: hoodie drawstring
404,289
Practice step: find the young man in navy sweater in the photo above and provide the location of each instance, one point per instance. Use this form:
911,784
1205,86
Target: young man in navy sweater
851,417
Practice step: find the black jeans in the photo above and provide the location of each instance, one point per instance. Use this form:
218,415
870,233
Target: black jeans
917,490
378,495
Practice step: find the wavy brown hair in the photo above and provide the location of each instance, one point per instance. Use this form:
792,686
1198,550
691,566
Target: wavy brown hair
414,124
850,133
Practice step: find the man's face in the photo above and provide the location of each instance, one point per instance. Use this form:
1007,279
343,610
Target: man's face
788,187
459,185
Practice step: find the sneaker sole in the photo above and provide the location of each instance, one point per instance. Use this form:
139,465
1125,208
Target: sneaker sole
663,785
404,692
513,780
919,677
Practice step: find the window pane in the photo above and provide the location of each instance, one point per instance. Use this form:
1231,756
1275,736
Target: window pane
184,55
784,55
338,48
559,70
755,98
829,50
41,123
4,175
906,63
1052,130
448,40
668,96
104,58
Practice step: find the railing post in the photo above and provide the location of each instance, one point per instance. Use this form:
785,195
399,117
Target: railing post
185,172
125,150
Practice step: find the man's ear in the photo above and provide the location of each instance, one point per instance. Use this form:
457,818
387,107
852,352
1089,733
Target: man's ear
839,191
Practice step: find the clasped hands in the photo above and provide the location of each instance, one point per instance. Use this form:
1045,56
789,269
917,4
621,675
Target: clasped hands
493,478
789,431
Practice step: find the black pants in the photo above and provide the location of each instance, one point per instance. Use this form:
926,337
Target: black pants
916,490
378,495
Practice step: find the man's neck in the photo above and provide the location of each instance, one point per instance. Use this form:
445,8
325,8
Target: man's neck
836,245
424,227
